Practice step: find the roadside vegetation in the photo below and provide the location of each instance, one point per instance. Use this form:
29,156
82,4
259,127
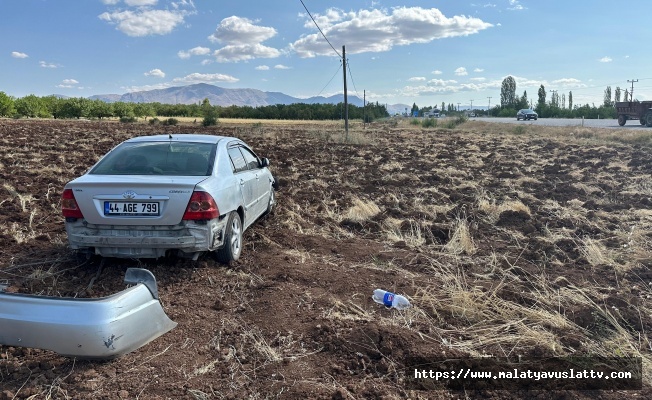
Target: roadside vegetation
557,105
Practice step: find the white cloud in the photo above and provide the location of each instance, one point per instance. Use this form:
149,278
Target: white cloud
44,64
437,72
281,66
245,52
110,2
206,62
380,30
461,71
569,83
515,5
417,79
243,40
70,82
17,54
146,87
262,68
188,79
478,70
479,79
195,51
140,3
437,86
605,59
145,22
155,72
240,31
441,82
205,78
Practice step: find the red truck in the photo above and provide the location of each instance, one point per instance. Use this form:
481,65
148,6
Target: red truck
638,110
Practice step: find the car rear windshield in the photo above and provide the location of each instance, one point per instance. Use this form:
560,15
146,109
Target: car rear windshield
158,158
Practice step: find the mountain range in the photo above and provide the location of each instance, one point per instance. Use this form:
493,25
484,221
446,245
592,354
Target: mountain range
219,96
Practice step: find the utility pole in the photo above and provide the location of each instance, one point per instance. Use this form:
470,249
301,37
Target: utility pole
346,99
631,93
471,105
489,108
364,109
458,107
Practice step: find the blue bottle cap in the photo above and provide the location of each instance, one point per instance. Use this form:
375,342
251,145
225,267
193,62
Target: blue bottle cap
388,299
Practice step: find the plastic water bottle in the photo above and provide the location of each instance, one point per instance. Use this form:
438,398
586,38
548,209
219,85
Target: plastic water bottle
389,299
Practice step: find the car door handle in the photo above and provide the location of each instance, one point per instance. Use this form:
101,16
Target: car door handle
257,178
241,182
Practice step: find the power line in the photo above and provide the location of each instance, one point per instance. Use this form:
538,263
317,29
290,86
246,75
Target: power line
348,66
320,31
331,80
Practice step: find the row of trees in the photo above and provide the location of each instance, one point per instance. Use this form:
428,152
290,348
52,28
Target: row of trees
559,106
78,107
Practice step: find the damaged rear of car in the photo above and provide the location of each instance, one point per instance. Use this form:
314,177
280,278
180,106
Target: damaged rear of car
101,328
183,194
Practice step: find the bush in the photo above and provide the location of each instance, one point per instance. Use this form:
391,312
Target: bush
128,120
171,121
454,122
519,129
209,120
429,123
154,121
415,121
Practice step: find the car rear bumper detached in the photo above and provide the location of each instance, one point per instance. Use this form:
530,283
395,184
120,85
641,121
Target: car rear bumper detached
100,328
188,238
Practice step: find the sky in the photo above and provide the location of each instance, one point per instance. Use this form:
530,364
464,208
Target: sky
398,51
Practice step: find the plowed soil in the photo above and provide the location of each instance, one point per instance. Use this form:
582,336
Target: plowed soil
529,245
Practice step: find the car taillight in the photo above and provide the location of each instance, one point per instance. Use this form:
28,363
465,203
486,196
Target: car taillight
69,206
201,206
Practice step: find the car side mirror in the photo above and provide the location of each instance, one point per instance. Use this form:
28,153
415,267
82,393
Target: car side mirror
264,162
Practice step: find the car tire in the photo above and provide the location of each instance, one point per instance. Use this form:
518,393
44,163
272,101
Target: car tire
232,247
271,203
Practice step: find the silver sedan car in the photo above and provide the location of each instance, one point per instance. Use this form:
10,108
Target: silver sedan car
180,194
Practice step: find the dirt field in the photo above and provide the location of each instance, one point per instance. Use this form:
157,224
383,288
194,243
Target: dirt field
525,243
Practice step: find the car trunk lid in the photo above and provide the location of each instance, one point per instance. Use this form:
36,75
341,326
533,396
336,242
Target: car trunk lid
133,199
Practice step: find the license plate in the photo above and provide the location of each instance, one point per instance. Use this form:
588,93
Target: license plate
131,208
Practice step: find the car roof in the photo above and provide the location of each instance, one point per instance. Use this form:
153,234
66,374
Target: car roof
181,137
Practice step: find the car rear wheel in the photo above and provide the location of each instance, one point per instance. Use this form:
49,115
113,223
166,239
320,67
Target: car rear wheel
622,120
232,240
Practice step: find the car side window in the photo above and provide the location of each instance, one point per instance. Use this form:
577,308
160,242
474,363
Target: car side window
250,158
237,160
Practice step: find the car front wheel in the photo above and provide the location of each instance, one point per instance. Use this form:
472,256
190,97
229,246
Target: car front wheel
232,240
271,203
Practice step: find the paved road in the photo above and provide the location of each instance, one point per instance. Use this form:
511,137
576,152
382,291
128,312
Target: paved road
590,123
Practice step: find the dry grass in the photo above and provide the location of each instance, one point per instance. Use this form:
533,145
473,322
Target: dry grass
362,210
461,241
493,209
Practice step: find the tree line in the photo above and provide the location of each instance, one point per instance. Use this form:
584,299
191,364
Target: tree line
32,106
558,106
